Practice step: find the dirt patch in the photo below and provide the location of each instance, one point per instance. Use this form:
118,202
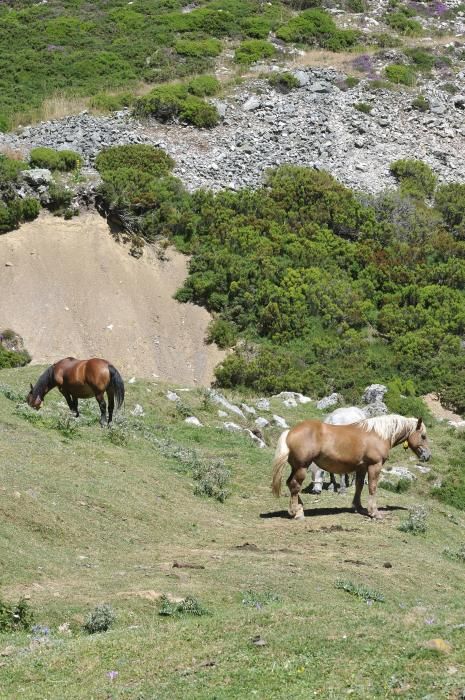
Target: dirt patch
71,289
438,411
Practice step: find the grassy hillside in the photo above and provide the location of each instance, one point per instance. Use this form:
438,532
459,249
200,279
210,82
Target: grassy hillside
91,516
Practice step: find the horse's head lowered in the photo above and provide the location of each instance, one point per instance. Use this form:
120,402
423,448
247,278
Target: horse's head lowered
34,401
418,441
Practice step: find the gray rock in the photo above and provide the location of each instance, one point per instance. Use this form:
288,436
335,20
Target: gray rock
222,414
192,420
373,393
138,410
172,396
401,472
258,441
261,422
233,427
290,403
222,401
251,104
38,176
328,401
263,405
377,408
318,86
248,409
302,76
280,422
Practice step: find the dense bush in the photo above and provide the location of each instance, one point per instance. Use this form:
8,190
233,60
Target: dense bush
198,47
168,102
54,160
104,102
283,82
204,86
423,60
15,617
421,103
415,177
399,74
401,21
450,201
60,198
317,27
149,159
253,50
221,332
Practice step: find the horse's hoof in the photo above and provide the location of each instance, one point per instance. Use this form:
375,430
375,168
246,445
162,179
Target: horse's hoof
376,516
316,491
301,516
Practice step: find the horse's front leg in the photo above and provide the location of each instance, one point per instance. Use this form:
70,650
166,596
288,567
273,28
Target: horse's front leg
103,409
72,403
295,481
374,471
359,482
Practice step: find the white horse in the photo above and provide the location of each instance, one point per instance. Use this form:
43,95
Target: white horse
341,416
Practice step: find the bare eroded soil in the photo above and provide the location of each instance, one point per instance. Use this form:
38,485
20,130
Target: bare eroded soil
68,288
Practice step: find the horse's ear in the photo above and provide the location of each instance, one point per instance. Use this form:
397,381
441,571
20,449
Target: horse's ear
420,421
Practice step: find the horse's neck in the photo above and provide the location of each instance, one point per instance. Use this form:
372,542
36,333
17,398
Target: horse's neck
403,434
41,389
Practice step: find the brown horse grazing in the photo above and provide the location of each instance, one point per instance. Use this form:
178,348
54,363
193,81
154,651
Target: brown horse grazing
81,379
361,447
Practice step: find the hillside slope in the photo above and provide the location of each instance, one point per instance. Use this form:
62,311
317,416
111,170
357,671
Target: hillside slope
70,289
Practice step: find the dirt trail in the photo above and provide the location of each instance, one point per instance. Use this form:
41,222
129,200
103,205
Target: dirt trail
70,289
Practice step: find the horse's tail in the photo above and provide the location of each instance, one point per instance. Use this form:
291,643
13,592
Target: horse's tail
117,384
280,459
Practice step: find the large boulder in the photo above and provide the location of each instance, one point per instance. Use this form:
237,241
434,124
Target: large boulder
373,393
329,401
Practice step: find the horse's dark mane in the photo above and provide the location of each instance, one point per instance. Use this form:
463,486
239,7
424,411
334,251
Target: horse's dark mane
45,382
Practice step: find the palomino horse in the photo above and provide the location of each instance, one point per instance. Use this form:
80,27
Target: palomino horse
362,447
340,416
81,379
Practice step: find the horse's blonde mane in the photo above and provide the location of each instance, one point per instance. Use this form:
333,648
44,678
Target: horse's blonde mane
391,427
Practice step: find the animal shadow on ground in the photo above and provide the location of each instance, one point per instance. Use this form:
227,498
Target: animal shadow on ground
312,512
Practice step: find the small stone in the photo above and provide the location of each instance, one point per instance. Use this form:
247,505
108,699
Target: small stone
263,405
248,409
138,410
8,264
261,422
328,401
251,104
290,403
280,422
192,420
172,396
222,414
233,427
132,380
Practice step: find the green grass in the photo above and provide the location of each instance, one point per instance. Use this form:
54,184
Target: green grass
87,522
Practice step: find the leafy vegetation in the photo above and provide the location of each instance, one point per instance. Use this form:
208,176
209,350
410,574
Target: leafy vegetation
360,591
253,50
179,100
415,178
417,521
317,27
100,619
400,74
15,617
54,160
283,82
400,19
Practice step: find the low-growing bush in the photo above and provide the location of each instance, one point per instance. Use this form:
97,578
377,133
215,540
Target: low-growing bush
400,486
60,198
168,102
104,102
204,86
317,27
212,479
15,617
100,619
415,177
30,208
363,107
402,22
455,554
452,490
65,160
198,47
359,590
283,82
416,522
149,159
421,103
422,60
5,124
450,201
400,75
221,332
252,50
196,111
188,606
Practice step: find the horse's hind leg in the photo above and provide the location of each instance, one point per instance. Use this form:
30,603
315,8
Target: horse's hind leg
111,405
359,482
294,482
103,409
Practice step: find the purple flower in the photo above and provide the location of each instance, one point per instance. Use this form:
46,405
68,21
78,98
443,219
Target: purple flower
112,675
429,621
363,63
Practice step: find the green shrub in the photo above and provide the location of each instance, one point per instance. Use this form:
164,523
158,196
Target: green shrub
386,40
60,197
360,590
256,27
416,522
15,617
30,208
198,47
422,60
54,160
112,103
10,358
284,82
212,479
401,22
221,332
400,75
201,114
421,103
253,50
317,27
204,86
415,177
5,124
188,606
450,201
100,619
363,107
400,486
149,159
